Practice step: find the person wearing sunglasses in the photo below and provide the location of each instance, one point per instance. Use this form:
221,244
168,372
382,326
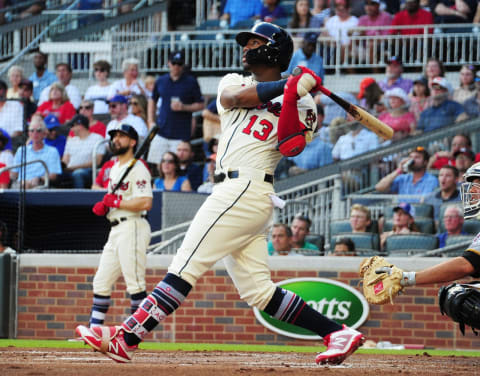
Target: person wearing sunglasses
170,179
95,126
138,106
37,150
118,108
176,96
99,92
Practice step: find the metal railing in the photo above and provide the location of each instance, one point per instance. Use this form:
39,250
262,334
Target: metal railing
46,178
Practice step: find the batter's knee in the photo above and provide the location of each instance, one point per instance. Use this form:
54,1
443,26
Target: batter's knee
260,296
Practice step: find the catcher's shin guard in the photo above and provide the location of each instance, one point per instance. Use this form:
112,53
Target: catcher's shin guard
340,345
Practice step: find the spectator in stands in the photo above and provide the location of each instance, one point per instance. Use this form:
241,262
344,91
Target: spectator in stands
170,175
32,9
344,247
300,229
236,11
53,136
322,128
282,240
316,154
94,126
63,71
357,141
411,178
272,10
118,106
42,77
419,97
394,77
337,27
103,176
58,104
307,57
149,82
99,92
464,158
453,223
337,128
78,153
193,171
453,12
398,117
4,248
4,178
370,95
26,91
211,121
138,106
467,89
442,158
447,191
11,114
443,111
89,5
332,109
403,222
175,97
360,218
37,149
413,14
302,17
321,9
6,156
434,68
207,185
130,83
472,105
15,76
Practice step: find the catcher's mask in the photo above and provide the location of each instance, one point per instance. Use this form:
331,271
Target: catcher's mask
278,50
470,192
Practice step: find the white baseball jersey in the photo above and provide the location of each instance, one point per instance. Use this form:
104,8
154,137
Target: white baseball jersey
136,184
249,136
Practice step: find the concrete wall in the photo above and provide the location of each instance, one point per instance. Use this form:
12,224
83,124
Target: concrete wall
55,293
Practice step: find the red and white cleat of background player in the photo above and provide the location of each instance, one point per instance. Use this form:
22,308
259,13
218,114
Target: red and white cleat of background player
108,340
340,345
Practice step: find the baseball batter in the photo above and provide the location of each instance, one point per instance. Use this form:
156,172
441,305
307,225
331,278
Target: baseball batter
262,118
125,250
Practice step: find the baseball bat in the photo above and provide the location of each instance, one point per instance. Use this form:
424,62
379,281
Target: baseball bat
138,154
363,117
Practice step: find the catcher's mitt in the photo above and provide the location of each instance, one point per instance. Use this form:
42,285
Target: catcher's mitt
381,280
462,303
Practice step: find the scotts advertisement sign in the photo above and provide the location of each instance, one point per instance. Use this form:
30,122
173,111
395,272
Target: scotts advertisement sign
333,299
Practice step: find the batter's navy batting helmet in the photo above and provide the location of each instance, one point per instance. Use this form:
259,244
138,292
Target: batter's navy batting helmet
278,50
124,128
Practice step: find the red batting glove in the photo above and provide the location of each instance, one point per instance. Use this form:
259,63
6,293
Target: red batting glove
100,209
111,200
301,84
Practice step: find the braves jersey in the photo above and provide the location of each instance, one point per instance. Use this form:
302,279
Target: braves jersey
136,184
249,135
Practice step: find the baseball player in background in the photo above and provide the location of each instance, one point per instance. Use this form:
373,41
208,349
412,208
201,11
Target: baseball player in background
126,247
262,118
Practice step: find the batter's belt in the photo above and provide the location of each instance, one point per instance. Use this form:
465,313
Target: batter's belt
218,178
123,219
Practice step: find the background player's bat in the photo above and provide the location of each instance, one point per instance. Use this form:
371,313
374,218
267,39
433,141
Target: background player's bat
138,154
368,120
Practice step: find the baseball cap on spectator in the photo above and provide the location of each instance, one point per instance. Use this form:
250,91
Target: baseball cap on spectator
421,150
394,60
118,99
51,121
177,57
80,119
442,82
310,37
469,153
400,93
26,82
406,208
421,80
366,82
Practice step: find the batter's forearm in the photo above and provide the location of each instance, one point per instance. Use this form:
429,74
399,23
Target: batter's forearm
137,204
239,97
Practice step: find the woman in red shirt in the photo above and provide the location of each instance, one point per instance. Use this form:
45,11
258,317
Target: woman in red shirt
57,104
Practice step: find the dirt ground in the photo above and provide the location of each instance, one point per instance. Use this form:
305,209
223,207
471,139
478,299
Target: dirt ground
83,362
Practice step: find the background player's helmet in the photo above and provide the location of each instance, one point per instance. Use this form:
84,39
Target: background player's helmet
278,50
128,130
471,200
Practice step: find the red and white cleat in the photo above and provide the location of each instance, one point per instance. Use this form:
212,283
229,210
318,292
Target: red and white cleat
108,340
340,345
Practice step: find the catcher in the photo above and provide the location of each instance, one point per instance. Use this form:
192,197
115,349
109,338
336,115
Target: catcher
382,281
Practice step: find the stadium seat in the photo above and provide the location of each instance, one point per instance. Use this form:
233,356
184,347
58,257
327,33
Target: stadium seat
409,244
421,210
318,240
471,226
340,226
362,240
455,239
244,24
425,225
210,25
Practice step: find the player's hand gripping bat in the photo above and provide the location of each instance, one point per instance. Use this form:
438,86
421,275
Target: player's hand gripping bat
368,120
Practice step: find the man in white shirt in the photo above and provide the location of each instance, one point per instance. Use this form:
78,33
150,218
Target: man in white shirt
63,72
118,107
79,150
358,141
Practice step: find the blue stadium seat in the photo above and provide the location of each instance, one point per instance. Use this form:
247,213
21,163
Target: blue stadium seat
409,244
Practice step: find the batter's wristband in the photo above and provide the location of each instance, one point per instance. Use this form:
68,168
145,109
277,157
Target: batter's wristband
266,91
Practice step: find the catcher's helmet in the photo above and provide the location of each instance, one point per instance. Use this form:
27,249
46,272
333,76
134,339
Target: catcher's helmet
471,199
278,50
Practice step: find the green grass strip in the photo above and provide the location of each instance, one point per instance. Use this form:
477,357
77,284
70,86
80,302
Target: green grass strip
35,344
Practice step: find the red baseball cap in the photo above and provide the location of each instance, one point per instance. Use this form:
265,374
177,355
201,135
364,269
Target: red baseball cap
366,82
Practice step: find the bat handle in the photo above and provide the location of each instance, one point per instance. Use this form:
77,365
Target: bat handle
297,71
